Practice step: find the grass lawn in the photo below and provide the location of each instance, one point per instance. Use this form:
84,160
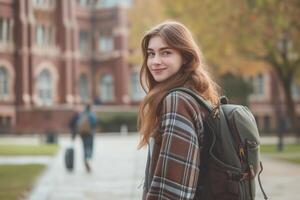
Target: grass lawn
26,150
17,180
291,152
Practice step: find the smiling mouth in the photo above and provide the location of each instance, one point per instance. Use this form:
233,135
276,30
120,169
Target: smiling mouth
158,70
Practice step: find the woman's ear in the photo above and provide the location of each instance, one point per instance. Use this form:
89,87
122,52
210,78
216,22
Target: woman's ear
184,60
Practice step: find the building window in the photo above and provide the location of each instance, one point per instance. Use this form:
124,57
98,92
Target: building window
84,42
45,87
137,91
85,3
111,3
267,123
6,30
84,88
5,124
43,3
3,82
105,43
106,3
106,87
295,91
258,85
40,35
44,35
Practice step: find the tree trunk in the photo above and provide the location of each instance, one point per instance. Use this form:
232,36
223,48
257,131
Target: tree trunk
280,125
290,106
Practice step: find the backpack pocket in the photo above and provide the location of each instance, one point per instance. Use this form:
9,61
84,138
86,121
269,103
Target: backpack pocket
221,187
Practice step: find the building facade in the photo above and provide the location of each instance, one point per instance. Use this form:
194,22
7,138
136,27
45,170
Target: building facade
57,55
267,101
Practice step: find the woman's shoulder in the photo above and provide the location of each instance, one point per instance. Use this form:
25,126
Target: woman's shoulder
178,100
180,97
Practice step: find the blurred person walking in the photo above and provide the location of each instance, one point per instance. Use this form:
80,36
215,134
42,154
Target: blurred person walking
86,122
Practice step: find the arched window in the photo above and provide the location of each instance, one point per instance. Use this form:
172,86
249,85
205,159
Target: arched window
3,82
45,87
106,88
84,88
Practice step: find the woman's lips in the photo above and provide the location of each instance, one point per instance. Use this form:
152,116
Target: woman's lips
158,71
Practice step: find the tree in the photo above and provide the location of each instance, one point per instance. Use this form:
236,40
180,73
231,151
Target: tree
239,36
273,29
215,26
142,15
247,33
236,88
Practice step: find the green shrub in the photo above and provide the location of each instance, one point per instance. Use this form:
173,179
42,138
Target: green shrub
112,121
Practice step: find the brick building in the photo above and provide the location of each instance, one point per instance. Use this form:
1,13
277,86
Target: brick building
267,101
57,55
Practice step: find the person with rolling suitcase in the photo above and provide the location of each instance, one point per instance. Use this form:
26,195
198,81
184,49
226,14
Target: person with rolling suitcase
84,124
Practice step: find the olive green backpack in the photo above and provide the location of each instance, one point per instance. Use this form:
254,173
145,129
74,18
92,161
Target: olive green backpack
232,155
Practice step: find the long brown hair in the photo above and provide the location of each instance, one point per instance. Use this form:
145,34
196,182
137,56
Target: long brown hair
192,74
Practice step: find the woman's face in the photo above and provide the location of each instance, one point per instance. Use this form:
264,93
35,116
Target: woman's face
163,61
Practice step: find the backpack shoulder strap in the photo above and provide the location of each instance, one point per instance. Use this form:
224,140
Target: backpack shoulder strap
197,97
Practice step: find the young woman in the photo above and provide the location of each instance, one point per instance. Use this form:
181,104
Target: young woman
171,122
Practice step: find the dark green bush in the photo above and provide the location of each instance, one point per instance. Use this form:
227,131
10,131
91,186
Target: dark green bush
112,121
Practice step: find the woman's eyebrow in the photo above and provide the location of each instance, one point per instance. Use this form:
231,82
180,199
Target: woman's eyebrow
160,49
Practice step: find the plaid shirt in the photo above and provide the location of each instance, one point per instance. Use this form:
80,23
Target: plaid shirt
173,161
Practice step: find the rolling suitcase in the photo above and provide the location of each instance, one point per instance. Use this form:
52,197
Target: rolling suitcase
69,158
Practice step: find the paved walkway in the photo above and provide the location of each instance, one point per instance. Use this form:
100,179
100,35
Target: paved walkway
118,171
281,180
19,160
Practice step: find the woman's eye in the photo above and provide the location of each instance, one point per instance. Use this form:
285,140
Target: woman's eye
150,54
165,53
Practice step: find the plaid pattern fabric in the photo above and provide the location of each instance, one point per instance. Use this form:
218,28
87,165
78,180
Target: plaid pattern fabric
173,168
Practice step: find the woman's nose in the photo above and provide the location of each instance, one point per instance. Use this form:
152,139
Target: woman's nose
156,60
